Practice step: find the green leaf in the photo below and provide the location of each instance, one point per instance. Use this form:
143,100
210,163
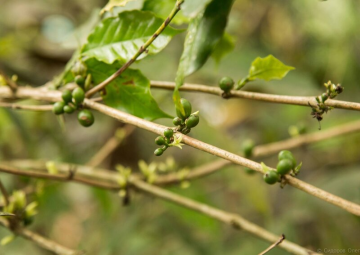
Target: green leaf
114,3
119,38
129,93
268,68
162,9
204,32
223,47
7,239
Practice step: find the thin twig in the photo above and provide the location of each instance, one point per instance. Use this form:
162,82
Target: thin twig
293,100
109,147
40,240
91,176
282,238
265,150
5,194
142,49
40,108
234,220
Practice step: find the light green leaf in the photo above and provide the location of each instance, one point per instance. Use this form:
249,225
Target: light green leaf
7,239
130,92
114,3
119,38
223,47
268,68
204,32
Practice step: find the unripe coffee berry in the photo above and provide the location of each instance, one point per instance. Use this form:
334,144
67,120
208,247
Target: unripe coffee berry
69,109
86,118
80,80
284,166
271,177
159,152
177,121
160,140
226,84
187,109
66,96
78,95
58,108
168,133
192,121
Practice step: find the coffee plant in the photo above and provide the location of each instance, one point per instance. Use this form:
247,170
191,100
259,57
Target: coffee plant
109,73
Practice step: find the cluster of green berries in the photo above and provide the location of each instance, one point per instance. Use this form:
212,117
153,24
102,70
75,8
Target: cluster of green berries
72,101
226,84
185,122
332,91
164,141
286,164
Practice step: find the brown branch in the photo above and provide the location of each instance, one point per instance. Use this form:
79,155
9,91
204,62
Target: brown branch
234,220
40,240
293,100
109,147
142,49
266,150
159,129
108,179
282,238
39,108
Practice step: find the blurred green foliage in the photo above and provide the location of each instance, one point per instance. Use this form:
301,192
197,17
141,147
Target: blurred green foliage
320,38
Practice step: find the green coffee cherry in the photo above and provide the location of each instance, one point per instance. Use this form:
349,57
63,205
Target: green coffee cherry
177,121
58,108
78,95
187,109
159,152
271,177
287,155
79,68
284,166
192,121
160,140
247,147
226,84
85,118
66,96
80,80
168,133
69,109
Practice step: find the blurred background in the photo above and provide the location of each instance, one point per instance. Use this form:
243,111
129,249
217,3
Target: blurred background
321,39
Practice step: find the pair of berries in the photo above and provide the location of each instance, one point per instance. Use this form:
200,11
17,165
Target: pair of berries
164,141
186,120
286,164
71,102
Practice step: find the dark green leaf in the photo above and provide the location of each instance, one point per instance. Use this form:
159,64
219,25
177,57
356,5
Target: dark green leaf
129,93
204,32
118,39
